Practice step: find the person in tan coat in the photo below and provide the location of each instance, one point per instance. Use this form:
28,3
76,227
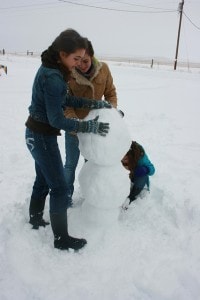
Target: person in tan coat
91,79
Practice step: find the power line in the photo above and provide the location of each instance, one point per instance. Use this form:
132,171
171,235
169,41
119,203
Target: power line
30,5
191,21
93,6
115,9
145,6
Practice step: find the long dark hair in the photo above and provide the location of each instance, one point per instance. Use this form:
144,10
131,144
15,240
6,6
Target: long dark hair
68,41
90,49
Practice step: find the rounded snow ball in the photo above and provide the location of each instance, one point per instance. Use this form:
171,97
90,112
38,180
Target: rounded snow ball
110,149
104,187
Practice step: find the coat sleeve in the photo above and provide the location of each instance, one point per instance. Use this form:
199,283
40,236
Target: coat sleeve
69,112
55,96
110,94
148,164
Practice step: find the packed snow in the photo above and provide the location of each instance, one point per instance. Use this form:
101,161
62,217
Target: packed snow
152,250
103,176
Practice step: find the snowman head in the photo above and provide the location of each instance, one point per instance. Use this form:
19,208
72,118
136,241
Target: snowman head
107,150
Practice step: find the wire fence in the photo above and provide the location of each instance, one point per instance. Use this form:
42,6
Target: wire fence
146,62
151,62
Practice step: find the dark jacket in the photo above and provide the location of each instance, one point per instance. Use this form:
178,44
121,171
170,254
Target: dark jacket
49,99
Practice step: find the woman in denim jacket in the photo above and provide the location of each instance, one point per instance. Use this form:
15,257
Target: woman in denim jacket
140,167
46,119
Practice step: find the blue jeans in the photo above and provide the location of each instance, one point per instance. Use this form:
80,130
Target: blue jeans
138,185
72,154
49,170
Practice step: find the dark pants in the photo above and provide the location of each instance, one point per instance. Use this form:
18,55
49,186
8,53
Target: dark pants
49,170
138,185
71,161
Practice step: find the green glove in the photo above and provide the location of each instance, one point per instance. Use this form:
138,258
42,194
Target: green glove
97,104
92,126
100,104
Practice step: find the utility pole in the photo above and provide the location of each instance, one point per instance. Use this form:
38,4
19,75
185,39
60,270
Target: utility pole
180,9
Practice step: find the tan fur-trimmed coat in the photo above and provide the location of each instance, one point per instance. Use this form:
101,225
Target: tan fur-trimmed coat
99,86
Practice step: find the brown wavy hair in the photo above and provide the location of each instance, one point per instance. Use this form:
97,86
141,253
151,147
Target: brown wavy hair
131,158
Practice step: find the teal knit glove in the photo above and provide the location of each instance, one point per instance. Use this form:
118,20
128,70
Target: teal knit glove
92,126
97,104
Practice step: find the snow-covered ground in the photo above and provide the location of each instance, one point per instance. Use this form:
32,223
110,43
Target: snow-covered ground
153,250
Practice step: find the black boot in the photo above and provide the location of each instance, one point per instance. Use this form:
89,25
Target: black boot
36,210
62,240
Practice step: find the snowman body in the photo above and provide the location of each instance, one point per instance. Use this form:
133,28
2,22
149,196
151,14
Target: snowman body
104,182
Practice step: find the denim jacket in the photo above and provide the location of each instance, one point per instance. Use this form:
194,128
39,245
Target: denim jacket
50,98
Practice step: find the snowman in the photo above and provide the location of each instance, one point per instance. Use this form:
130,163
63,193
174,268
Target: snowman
104,182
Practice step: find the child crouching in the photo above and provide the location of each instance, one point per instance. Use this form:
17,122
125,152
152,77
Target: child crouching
140,167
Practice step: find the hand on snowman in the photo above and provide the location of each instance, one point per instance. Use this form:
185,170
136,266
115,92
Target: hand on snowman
93,126
97,104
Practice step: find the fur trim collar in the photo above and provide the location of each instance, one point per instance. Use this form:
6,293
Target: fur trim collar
84,81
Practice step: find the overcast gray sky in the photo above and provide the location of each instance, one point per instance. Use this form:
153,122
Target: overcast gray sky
146,28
